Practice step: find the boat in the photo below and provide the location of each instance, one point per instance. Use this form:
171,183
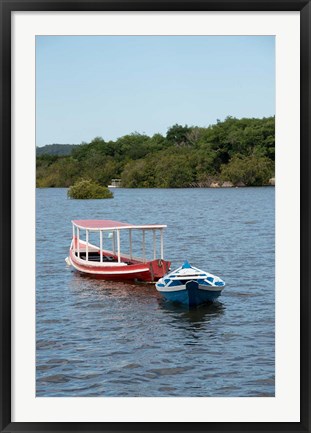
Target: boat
115,183
100,261
190,286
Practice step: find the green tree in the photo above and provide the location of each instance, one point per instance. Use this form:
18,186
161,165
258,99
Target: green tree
60,173
133,146
136,175
178,135
173,171
251,170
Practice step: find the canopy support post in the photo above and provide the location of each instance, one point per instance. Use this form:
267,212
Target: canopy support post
119,249
114,242
130,239
101,245
73,239
87,245
78,241
162,253
154,245
144,246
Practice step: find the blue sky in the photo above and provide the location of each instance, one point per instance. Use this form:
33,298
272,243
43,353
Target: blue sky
109,86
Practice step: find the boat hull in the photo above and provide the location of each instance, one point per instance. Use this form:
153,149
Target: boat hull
191,294
150,271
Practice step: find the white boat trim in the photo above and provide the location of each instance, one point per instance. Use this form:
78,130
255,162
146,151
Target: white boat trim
189,273
183,287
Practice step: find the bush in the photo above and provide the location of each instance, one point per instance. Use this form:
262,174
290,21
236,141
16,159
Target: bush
87,189
251,170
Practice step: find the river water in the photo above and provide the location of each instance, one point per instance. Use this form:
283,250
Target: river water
97,338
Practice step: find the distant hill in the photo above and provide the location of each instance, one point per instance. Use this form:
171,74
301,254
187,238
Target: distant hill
56,149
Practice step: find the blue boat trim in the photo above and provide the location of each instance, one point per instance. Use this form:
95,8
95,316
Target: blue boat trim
175,283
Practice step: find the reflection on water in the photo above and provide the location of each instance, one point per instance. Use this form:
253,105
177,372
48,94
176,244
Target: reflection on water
140,292
193,315
98,338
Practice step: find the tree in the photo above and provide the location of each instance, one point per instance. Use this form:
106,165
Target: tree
138,174
173,171
251,170
61,173
177,134
133,146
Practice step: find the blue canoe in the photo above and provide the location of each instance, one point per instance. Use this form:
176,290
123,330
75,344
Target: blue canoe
190,286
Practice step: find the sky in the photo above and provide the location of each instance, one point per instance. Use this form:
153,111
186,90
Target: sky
110,86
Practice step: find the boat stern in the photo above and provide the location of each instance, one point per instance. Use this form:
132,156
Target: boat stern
158,268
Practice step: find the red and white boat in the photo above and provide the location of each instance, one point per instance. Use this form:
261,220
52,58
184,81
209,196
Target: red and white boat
110,263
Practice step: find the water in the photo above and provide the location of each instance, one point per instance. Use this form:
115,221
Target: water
97,338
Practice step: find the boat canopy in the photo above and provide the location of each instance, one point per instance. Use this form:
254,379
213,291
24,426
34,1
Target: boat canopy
112,225
115,227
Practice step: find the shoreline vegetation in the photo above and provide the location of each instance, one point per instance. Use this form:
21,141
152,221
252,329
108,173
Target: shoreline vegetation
88,189
230,153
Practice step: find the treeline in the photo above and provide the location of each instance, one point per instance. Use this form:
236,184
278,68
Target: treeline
240,151
55,149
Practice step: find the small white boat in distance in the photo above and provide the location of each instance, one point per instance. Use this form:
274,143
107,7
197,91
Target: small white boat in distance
190,286
115,183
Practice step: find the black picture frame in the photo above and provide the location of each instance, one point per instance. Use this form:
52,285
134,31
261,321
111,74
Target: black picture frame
9,6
